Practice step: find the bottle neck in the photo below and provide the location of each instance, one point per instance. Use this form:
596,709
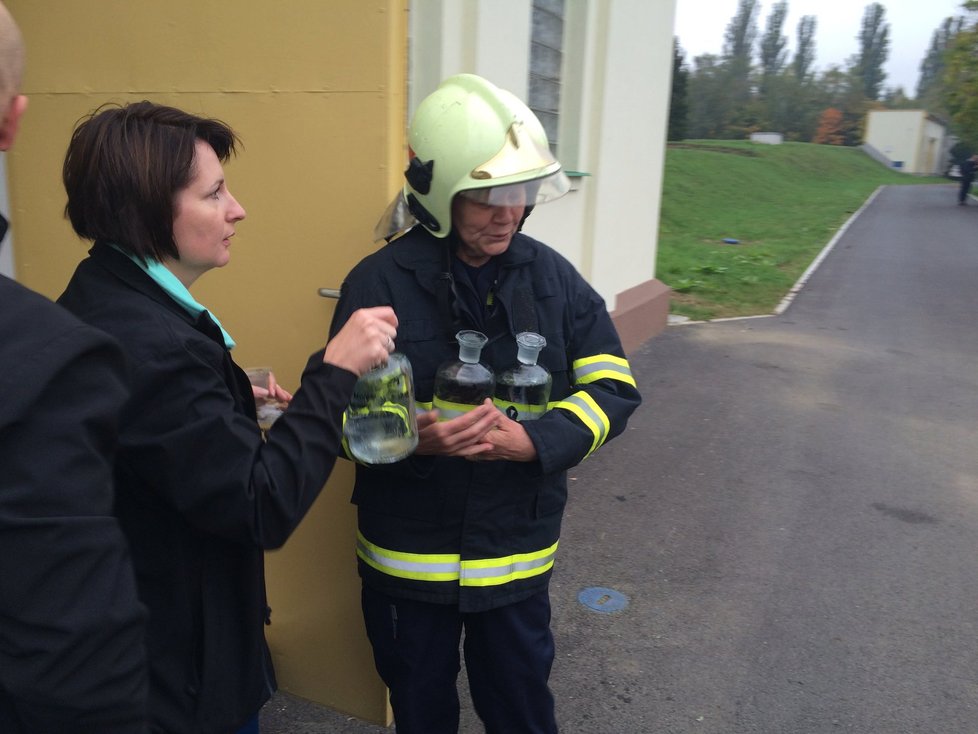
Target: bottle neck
527,356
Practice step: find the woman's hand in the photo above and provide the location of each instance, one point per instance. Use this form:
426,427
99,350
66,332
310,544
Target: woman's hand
273,391
365,340
460,436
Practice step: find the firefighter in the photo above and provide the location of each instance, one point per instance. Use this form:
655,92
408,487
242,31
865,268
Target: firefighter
463,534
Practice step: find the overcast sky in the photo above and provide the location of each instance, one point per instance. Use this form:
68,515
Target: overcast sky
701,25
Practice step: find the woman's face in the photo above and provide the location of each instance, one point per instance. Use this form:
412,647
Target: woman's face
204,217
484,230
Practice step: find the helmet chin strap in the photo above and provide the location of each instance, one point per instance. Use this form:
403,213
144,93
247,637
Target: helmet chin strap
526,213
422,214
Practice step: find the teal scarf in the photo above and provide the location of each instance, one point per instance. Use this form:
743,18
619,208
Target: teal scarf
175,289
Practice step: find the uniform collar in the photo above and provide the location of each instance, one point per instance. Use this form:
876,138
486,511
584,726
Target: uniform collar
421,251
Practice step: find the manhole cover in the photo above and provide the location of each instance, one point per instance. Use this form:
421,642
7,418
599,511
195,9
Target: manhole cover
601,599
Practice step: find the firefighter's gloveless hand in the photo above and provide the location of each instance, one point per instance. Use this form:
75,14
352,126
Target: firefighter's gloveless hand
510,442
461,436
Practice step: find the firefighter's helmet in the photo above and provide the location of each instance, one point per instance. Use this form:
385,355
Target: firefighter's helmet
472,137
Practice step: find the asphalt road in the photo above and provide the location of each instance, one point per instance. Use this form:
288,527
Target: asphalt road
792,515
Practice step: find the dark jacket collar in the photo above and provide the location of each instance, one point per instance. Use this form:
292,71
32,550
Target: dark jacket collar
423,253
119,265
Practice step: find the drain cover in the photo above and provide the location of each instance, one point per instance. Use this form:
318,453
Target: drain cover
601,599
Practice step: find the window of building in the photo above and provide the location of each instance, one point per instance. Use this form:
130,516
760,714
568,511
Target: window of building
546,58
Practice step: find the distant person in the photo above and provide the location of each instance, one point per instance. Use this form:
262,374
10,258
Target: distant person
968,168
72,657
201,495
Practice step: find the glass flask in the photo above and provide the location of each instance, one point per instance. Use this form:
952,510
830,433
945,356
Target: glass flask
523,391
380,424
464,383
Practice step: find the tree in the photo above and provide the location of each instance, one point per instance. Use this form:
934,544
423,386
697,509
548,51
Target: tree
835,86
874,49
737,54
678,105
830,130
773,46
930,85
961,80
709,98
801,65
895,98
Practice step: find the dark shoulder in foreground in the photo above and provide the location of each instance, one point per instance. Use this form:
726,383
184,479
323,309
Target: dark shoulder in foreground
37,338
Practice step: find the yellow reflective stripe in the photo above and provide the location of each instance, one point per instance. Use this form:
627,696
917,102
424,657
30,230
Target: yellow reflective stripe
590,414
448,410
449,567
602,367
417,566
524,411
497,571
422,405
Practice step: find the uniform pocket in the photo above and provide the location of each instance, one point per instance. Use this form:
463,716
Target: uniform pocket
395,496
551,498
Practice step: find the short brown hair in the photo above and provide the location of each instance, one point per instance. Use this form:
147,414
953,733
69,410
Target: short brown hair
123,167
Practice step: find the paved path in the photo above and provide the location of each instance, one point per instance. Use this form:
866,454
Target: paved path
793,513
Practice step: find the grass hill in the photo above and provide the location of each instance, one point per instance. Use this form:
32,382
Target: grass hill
782,203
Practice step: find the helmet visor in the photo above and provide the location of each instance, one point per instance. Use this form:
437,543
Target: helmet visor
525,193
396,219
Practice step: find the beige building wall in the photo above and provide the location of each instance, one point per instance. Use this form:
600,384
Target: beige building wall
615,92
316,91
912,140
932,155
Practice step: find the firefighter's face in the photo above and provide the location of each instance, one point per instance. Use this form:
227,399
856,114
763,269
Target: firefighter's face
484,229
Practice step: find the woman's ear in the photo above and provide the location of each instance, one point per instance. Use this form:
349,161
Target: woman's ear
11,121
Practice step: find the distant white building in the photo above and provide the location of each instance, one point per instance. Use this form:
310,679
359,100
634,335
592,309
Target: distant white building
911,141
767,138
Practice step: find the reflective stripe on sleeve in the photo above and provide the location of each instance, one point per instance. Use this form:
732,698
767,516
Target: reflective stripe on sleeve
590,414
602,367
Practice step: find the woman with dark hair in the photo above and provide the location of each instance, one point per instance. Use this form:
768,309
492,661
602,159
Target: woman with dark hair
200,494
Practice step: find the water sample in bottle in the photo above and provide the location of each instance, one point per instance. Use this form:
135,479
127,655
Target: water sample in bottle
380,424
464,383
523,391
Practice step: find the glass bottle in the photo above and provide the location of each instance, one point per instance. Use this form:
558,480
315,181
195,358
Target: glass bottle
380,424
464,383
523,391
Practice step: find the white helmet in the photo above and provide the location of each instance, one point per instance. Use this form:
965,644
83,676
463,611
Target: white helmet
472,137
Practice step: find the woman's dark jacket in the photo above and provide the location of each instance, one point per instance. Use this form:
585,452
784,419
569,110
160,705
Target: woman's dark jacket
200,496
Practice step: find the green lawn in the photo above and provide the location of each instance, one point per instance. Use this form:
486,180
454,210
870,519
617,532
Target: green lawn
782,203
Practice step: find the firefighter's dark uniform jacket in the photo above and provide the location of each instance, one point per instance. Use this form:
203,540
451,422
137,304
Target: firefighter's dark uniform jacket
200,495
484,534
